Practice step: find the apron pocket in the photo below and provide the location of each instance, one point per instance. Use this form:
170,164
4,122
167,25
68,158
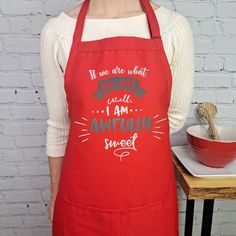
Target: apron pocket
152,220
81,220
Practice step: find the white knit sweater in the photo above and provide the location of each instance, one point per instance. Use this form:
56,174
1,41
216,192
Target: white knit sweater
56,40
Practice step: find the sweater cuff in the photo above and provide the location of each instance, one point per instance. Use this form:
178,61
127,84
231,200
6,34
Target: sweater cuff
55,151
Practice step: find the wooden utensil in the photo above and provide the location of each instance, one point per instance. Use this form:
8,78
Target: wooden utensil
208,111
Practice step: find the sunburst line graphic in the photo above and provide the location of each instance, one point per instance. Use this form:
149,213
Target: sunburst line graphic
82,135
158,132
84,130
160,120
77,122
155,116
84,118
84,140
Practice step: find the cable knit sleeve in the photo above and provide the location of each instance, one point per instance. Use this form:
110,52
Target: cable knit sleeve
182,67
53,79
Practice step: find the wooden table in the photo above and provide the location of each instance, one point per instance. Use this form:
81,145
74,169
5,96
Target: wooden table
207,189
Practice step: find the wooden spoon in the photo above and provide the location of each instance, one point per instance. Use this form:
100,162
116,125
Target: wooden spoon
209,110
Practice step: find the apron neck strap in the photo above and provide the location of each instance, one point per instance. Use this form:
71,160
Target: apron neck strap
151,17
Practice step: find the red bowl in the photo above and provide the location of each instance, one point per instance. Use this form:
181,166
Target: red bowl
213,153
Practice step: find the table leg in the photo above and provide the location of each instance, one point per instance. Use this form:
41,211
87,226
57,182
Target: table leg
207,217
189,217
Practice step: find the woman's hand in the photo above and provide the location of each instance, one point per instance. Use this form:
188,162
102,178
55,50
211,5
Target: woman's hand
51,209
55,165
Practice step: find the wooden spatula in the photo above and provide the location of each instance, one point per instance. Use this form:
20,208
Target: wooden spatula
208,110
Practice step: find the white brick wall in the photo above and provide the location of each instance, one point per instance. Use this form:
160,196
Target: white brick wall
24,174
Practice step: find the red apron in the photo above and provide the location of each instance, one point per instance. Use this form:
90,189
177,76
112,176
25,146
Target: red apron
117,177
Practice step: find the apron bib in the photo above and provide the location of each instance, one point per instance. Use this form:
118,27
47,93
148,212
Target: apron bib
117,177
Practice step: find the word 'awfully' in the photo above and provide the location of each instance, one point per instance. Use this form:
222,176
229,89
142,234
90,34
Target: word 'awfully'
122,124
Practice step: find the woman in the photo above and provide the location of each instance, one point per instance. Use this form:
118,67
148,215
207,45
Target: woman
118,80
